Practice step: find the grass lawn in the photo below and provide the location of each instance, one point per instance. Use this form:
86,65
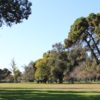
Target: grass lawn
31,91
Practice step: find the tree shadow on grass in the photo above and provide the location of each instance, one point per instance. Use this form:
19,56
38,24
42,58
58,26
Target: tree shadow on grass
47,95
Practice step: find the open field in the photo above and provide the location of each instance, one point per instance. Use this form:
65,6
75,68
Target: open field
30,91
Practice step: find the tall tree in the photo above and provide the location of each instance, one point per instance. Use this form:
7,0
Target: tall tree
14,70
86,31
17,75
43,70
59,61
14,11
29,73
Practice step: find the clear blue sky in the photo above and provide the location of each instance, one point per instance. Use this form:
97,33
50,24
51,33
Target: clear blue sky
49,24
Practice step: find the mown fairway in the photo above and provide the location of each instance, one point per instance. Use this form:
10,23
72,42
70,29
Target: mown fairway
30,91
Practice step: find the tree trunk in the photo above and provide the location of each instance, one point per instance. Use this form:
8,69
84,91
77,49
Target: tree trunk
60,80
38,81
95,44
86,80
72,81
92,52
97,79
69,81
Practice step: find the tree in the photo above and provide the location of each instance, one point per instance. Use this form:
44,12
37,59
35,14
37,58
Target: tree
58,62
14,11
82,72
29,73
87,70
97,72
63,61
17,75
43,70
86,31
9,78
58,68
94,69
58,47
4,74
76,73
75,55
15,70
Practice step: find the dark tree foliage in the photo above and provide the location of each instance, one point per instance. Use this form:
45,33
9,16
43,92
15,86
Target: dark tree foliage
14,11
75,55
58,62
4,73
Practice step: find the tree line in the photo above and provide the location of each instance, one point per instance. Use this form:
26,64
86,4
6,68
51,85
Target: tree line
55,65
78,59
60,64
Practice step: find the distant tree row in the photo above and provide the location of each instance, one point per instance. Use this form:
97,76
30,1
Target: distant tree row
55,64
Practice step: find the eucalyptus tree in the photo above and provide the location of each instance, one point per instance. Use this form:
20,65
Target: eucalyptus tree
86,31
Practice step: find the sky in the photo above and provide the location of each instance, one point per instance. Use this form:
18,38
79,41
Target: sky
48,24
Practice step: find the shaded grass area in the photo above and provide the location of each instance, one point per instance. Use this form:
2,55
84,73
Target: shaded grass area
22,91
47,95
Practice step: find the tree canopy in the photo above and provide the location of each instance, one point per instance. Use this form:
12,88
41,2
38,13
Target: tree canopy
14,11
43,70
4,73
86,31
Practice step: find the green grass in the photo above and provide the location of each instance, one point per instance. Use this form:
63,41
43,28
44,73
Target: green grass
29,91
